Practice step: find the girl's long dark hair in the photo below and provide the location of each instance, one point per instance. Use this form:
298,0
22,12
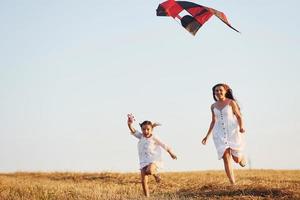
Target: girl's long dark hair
228,94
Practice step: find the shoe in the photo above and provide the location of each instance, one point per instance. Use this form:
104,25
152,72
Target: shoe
157,178
243,162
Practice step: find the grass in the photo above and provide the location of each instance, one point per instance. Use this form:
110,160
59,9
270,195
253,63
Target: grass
251,184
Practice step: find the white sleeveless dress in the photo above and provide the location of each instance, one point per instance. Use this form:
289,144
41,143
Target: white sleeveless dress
226,132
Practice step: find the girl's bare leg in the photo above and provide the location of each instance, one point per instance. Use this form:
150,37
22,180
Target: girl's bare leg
151,169
227,165
240,160
144,178
236,159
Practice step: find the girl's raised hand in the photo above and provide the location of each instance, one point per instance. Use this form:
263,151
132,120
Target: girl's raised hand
242,130
130,119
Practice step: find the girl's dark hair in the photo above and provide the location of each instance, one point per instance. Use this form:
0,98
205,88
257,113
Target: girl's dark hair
228,94
153,125
146,123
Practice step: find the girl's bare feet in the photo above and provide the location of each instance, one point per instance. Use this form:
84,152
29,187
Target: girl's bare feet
232,182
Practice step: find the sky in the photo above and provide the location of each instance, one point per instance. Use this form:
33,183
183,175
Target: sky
70,71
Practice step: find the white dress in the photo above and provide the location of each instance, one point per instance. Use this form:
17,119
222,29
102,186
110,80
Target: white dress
226,132
150,150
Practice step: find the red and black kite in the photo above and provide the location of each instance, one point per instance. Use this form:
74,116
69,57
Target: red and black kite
194,16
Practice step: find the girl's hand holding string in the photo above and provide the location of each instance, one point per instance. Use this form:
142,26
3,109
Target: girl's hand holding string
130,119
173,156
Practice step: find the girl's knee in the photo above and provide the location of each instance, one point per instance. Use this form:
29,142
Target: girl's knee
151,169
147,170
226,154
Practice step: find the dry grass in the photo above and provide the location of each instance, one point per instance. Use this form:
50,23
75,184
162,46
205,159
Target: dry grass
251,184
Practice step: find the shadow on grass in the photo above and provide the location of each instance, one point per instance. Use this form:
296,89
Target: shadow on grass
210,191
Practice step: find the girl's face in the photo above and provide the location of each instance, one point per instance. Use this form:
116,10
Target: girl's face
220,92
147,130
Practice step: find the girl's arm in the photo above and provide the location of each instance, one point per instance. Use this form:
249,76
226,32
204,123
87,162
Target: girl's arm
211,126
172,154
238,115
165,147
133,131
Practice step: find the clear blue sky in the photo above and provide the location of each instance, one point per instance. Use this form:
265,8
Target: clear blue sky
70,71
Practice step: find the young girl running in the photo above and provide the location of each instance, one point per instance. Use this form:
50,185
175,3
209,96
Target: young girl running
227,128
149,151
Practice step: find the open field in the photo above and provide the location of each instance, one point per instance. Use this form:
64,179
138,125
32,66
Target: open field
251,184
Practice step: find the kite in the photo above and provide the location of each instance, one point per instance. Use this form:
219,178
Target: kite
191,15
